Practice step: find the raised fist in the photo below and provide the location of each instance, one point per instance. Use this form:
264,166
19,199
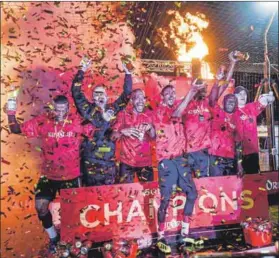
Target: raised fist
233,56
10,107
127,67
85,63
266,99
198,84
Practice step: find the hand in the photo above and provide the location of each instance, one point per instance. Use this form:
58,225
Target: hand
85,63
125,68
221,73
232,56
266,99
131,132
240,171
10,107
108,115
270,98
145,127
196,87
115,136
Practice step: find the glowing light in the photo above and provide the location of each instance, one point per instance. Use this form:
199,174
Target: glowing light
184,36
269,5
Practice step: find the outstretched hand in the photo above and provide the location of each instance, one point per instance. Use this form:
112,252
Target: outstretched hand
127,70
10,107
232,56
85,63
198,86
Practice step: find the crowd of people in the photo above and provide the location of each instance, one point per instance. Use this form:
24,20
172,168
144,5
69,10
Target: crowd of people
195,137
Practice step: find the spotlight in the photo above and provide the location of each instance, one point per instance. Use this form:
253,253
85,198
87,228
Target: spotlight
269,5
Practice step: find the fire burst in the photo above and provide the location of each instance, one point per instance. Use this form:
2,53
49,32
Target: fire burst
184,36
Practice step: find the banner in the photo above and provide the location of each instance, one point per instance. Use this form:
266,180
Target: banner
271,181
130,210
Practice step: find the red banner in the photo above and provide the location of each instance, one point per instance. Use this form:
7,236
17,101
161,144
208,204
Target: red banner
271,181
130,210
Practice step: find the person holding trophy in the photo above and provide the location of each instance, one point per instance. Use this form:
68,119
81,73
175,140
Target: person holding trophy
61,135
135,131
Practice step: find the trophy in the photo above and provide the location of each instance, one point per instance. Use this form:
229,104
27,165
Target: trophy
241,56
127,61
11,105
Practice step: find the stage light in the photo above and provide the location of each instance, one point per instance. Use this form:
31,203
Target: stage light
269,5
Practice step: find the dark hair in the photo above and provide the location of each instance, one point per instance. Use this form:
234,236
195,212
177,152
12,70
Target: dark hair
166,87
61,99
136,90
239,89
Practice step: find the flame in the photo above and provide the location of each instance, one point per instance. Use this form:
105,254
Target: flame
184,33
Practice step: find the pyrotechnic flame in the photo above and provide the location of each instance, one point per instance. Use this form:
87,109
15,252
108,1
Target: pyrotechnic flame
184,36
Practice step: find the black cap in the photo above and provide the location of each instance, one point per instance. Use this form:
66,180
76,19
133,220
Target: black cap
239,89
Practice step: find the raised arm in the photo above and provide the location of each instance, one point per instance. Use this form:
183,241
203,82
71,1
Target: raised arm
86,109
13,124
10,110
223,80
124,98
189,96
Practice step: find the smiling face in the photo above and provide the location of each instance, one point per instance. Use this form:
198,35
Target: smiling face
241,98
230,103
138,101
100,96
169,96
61,111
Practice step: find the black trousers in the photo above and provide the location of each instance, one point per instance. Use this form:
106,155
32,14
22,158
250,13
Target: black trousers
250,163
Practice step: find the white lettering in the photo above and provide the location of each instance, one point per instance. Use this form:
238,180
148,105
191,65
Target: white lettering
225,198
214,200
60,134
178,207
268,185
83,214
199,110
117,212
135,211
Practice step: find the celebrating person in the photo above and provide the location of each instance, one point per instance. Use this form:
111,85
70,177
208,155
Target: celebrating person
247,116
225,151
173,169
134,129
196,113
60,133
98,152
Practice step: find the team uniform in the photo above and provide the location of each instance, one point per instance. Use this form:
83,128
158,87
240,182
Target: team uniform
197,127
247,117
98,152
135,155
59,151
173,168
224,135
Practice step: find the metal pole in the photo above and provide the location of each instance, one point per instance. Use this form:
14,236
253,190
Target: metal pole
267,88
